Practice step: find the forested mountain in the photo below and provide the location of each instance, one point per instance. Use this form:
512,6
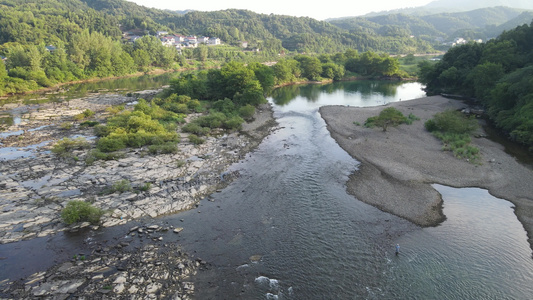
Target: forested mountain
482,23
498,73
52,21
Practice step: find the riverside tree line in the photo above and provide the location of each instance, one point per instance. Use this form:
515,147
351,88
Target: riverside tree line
499,74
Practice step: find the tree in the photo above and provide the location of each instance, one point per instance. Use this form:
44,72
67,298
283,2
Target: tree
200,53
264,74
310,66
141,59
390,116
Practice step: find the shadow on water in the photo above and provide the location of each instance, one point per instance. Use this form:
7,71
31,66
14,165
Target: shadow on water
514,149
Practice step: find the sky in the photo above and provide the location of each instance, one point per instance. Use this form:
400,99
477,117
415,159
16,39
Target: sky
321,11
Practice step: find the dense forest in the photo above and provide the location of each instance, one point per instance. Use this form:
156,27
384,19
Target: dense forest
498,73
46,42
51,21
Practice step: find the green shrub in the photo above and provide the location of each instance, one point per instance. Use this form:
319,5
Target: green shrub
213,120
453,129
195,128
121,186
454,122
430,125
193,138
110,144
66,125
96,154
81,211
89,124
114,109
145,187
65,146
102,130
233,123
84,115
166,148
247,112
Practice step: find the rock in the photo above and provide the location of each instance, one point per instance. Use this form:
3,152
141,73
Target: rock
120,279
178,229
119,288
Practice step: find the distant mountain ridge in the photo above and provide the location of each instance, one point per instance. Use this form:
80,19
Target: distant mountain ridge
450,6
467,5
481,23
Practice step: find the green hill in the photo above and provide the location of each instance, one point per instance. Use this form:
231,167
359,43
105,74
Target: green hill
54,21
476,24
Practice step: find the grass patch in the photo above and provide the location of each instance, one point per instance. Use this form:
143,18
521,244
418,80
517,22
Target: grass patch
64,147
194,139
390,116
81,211
120,186
454,130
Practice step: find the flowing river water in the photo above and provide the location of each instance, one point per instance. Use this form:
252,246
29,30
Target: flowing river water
316,241
287,229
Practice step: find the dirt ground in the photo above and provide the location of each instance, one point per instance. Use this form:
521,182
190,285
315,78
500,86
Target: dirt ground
398,166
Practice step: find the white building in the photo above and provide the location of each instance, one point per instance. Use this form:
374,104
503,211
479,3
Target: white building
214,41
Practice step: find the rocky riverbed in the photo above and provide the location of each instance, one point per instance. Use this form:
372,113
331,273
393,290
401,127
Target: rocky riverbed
126,269
35,185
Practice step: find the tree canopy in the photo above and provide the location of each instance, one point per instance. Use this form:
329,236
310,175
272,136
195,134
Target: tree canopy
498,73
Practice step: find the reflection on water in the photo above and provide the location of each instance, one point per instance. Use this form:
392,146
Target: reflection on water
72,91
364,89
356,93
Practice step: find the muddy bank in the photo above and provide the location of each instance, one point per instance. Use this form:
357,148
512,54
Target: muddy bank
398,166
35,185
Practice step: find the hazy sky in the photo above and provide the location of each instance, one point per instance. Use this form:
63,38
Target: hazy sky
318,10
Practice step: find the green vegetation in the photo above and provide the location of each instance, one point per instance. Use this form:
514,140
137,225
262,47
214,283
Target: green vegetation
193,138
499,74
96,154
454,129
66,125
143,126
84,115
120,186
390,116
482,23
145,187
81,211
64,147
47,42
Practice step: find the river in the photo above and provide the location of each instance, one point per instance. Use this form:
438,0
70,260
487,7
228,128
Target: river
287,229
315,241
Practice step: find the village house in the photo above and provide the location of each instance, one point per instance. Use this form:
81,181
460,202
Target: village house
203,40
177,41
214,41
168,41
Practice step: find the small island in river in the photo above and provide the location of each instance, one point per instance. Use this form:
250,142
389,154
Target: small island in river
399,166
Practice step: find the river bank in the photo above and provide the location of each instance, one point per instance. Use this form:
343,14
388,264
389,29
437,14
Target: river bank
36,184
399,166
